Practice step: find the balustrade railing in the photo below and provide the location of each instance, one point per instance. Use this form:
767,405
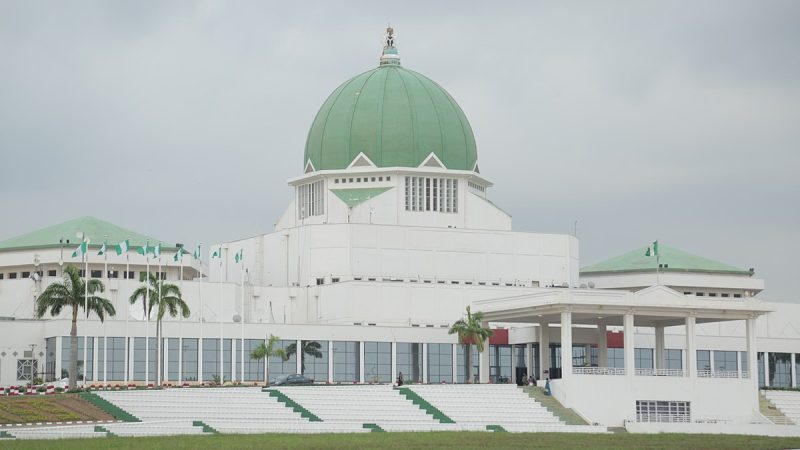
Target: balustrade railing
598,371
660,372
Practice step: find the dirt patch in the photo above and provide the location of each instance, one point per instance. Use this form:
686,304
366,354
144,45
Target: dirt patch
50,408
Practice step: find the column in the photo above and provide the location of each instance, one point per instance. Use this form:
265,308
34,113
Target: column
180,361
455,363
95,369
793,371
588,358
425,363
602,345
752,357
627,322
766,369
361,362
394,360
165,359
529,359
691,348
711,362
544,351
566,344
57,375
199,359
330,361
105,360
131,362
659,356
299,356
483,358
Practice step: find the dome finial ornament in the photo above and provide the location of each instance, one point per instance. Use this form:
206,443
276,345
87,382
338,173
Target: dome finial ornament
389,57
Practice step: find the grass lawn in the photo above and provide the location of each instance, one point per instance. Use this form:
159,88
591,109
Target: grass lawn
405,441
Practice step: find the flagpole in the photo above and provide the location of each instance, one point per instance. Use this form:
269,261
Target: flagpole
158,323
200,317
147,319
127,313
221,331
105,332
85,305
241,353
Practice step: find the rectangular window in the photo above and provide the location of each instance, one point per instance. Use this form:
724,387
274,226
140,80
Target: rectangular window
643,358
663,411
310,199
140,349
674,358
409,361
616,358
725,361
253,369
346,361
115,367
500,363
1,276
50,359
780,370
65,349
279,368
211,366
440,363
13,276
26,274
27,369
431,194
703,360
97,273
462,369
190,359
378,362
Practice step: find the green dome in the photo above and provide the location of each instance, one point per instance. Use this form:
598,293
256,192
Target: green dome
396,117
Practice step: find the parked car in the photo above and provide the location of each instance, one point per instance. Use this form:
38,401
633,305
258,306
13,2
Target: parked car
293,380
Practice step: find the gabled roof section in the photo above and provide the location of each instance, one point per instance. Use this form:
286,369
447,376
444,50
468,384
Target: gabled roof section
354,197
361,161
433,161
97,230
673,259
309,167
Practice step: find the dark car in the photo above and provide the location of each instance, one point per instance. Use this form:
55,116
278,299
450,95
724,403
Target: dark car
293,380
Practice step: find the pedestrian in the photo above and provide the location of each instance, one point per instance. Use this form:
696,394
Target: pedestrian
400,379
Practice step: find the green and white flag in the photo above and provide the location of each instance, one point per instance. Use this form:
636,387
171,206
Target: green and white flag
239,256
652,250
102,250
157,251
122,247
144,250
217,253
178,255
80,250
196,254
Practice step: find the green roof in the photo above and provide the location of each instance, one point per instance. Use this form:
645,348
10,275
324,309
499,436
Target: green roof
675,260
97,230
353,197
396,117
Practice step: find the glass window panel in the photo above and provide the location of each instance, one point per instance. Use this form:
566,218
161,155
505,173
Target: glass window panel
442,369
409,361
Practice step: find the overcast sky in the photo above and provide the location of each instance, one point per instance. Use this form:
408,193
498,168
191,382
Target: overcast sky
642,120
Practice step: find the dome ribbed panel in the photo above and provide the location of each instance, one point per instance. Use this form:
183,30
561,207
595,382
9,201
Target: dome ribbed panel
394,116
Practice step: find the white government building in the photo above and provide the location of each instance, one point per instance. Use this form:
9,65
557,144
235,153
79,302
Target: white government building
390,236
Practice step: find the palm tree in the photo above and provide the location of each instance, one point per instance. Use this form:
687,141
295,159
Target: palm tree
166,298
266,351
470,331
310,348
72,294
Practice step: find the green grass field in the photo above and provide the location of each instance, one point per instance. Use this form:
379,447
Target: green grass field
405,441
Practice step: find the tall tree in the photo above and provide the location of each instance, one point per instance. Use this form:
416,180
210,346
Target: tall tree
71,293
470,331
267,350
310,348
165,298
